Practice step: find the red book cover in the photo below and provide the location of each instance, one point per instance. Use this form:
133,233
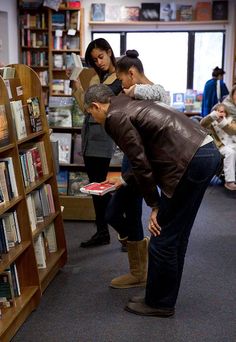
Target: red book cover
37,162
97,188
203,11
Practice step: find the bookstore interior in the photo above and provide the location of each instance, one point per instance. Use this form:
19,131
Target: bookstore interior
42,172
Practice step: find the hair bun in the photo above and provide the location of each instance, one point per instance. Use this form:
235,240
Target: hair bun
132,53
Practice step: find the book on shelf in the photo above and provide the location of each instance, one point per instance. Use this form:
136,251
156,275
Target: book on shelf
62,182
31,164
31,212
77,115
185,12
8,220
98,11
77,180
4,244
15,280
49,193
4,132
99,189
7,72
60,111
150,11
168,11
112,12
219,10
11,172
77,149
40,253
77,66
129,13
18,118
203,11
34,114
38,206
42,152
6,191
73,20
51,237
64,146
7,297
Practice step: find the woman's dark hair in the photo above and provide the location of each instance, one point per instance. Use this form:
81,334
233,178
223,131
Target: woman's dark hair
217,72
103,45
130,59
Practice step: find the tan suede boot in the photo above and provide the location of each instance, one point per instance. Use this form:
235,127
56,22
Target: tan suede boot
138,255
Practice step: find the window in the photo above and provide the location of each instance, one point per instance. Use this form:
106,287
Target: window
176,60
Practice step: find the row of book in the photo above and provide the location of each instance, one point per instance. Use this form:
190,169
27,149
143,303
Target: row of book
61,87
189,101
207,10
64,112
66,20
32,109
34,39
45,244
69,183
62,60
33,21
70,149
35,58
9,232
66,42
9,287
33,162
40,205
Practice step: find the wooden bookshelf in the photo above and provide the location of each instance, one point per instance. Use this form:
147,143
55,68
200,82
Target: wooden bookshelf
23,254
40,41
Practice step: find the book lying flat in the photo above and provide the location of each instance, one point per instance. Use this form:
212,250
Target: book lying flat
97,188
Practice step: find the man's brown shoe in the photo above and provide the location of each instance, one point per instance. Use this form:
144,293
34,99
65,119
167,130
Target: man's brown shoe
145,310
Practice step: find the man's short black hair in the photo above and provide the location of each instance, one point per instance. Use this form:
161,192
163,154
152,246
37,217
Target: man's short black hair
97,93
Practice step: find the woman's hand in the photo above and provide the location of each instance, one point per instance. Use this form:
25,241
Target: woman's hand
130,90
153,225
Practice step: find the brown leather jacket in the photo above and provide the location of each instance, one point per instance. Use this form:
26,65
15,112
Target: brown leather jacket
158,141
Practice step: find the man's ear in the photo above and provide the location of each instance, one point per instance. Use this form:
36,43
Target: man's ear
95,105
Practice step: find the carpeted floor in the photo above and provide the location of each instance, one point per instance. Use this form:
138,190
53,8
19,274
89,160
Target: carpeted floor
78,306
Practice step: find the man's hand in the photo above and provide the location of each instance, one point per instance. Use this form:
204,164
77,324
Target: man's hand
153,225
114,181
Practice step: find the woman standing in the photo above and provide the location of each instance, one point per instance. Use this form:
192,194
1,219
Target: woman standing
124,212
97,146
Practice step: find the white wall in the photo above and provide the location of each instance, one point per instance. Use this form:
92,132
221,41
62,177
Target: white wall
10,6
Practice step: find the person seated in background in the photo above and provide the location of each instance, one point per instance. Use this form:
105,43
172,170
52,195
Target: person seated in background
214,91
167,150
230,102
223,130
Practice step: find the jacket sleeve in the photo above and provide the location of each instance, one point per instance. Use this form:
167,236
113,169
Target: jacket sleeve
128,139
228,126
207,121
153,92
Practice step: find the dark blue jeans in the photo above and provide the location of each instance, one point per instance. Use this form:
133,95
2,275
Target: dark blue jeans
124,213
176,217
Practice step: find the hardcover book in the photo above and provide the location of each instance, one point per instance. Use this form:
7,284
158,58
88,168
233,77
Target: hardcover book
168,11
98,12
4,135
18,118
203,11
64,146
219,10
99,189
186,13
34,113
77,180
130,13
150,11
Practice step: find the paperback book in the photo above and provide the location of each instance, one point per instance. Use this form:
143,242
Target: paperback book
99,189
